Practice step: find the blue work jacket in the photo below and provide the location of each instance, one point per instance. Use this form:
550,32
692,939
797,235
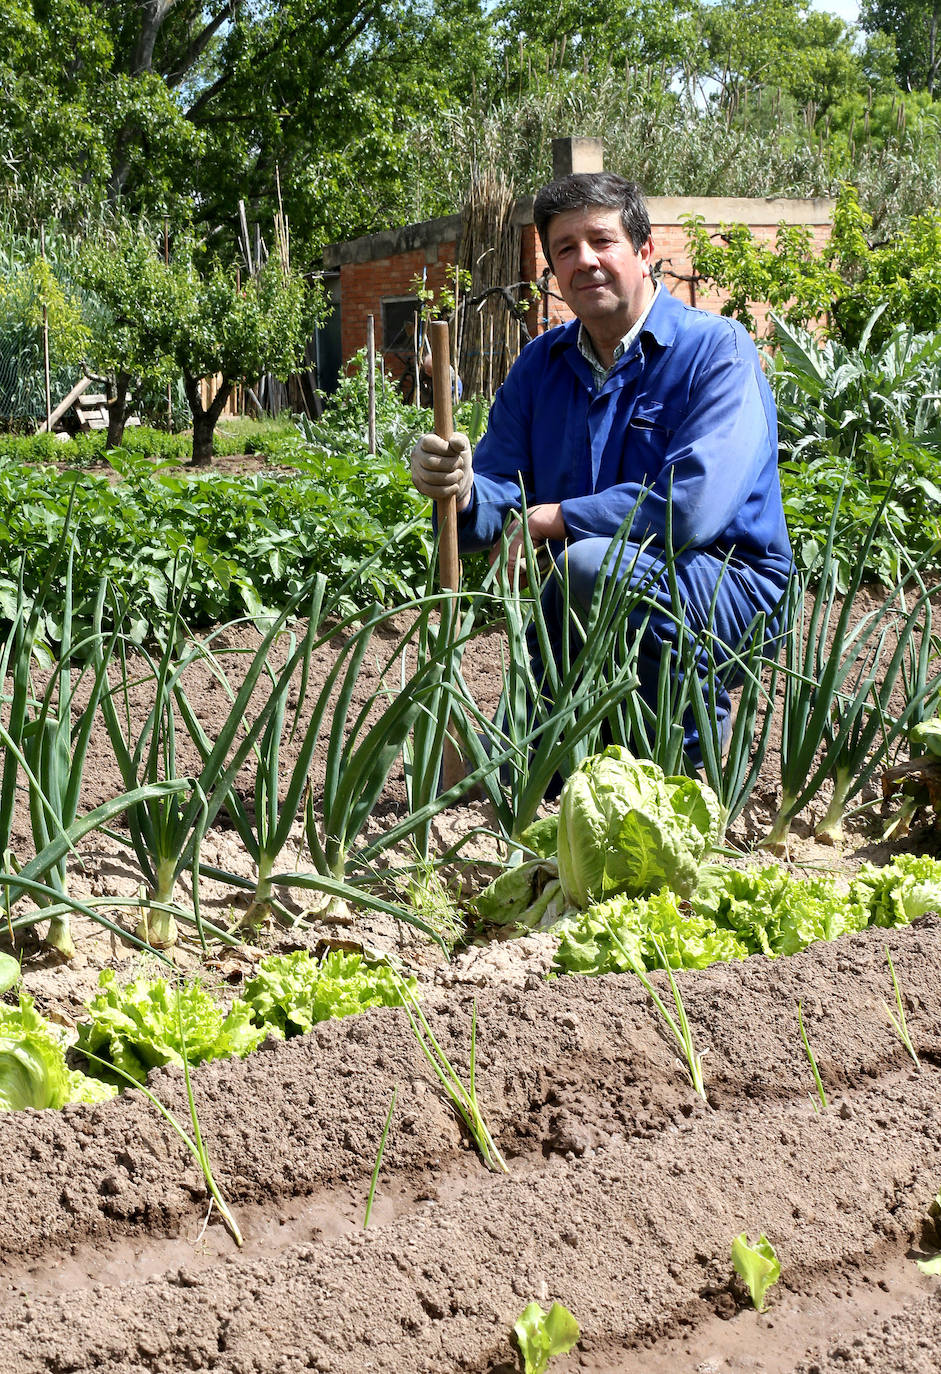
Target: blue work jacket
687,400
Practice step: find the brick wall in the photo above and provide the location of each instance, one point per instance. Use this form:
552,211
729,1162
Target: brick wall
364,286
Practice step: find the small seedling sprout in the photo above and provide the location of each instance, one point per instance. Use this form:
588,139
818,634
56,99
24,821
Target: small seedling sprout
813,1063
899,1023
378,1164
463,1100
757,1265
540,1335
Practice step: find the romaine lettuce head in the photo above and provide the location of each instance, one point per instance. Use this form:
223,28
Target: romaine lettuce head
136,1027
290,993
900,892
625,828
33,1071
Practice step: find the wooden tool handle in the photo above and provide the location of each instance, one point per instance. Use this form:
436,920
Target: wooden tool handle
448,565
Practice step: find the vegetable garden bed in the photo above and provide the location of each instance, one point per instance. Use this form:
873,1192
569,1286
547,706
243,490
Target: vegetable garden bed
625,1189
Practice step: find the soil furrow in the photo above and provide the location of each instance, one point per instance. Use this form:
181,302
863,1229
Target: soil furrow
562,1068
633,1238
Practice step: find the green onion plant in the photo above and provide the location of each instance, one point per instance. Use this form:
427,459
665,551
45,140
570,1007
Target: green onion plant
829,675
862,730
166,832
678,1026
463,1099
195,1142
264,829
812,1060
899,1023
378,1164
361,750
55,745
546,728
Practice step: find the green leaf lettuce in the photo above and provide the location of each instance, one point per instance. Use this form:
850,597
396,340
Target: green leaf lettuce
292,992
136,1027
33,1071
540,1335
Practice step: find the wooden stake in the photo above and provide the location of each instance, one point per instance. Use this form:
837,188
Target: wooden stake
371,378
449,568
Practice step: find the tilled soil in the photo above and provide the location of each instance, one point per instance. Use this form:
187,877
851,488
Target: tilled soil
624,1193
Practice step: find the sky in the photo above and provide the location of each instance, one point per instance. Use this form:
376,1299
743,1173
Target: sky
846,9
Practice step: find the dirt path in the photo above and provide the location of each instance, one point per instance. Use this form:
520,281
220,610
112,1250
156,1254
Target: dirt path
624,1193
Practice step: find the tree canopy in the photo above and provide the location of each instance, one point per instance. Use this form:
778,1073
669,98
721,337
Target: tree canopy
184,107
914,26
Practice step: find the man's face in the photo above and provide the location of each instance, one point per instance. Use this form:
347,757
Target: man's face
602,278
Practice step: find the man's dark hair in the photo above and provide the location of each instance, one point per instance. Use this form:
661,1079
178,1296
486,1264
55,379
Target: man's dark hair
582,190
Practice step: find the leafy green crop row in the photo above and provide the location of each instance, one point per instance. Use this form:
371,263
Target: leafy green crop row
734,913
139,440
620,875
149,1023
239,545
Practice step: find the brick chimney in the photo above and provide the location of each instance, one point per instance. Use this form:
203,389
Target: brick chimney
576,155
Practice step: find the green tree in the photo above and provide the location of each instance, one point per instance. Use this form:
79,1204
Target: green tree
536,41
219,329
914,24
779,45
166,104
126,288
844,286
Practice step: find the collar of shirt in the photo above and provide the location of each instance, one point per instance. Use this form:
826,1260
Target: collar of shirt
587,350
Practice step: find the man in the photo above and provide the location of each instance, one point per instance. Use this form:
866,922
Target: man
640,405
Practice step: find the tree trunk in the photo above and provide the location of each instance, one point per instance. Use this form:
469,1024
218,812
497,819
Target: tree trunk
117,408
204,418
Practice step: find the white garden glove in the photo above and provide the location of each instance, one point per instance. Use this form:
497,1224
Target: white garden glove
443,468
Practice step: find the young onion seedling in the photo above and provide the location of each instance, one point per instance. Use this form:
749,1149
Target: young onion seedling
813,1063
463,1100
382,1146
900,1022
679,1027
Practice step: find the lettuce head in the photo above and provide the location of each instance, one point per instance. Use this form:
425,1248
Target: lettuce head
136,1027
33,1071
772,912
290,993
627,933
900,892
625,828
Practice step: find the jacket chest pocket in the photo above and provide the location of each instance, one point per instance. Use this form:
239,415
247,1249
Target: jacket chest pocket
649,433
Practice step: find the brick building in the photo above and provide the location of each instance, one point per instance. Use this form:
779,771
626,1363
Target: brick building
375,275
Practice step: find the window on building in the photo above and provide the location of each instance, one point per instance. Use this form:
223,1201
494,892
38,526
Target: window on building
398,323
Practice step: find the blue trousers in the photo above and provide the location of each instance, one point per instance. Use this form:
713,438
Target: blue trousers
727,613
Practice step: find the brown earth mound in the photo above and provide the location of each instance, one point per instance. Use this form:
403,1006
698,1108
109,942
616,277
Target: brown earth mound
624,1193
625,1189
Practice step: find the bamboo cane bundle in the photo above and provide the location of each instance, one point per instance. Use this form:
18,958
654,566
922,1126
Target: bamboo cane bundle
490,251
